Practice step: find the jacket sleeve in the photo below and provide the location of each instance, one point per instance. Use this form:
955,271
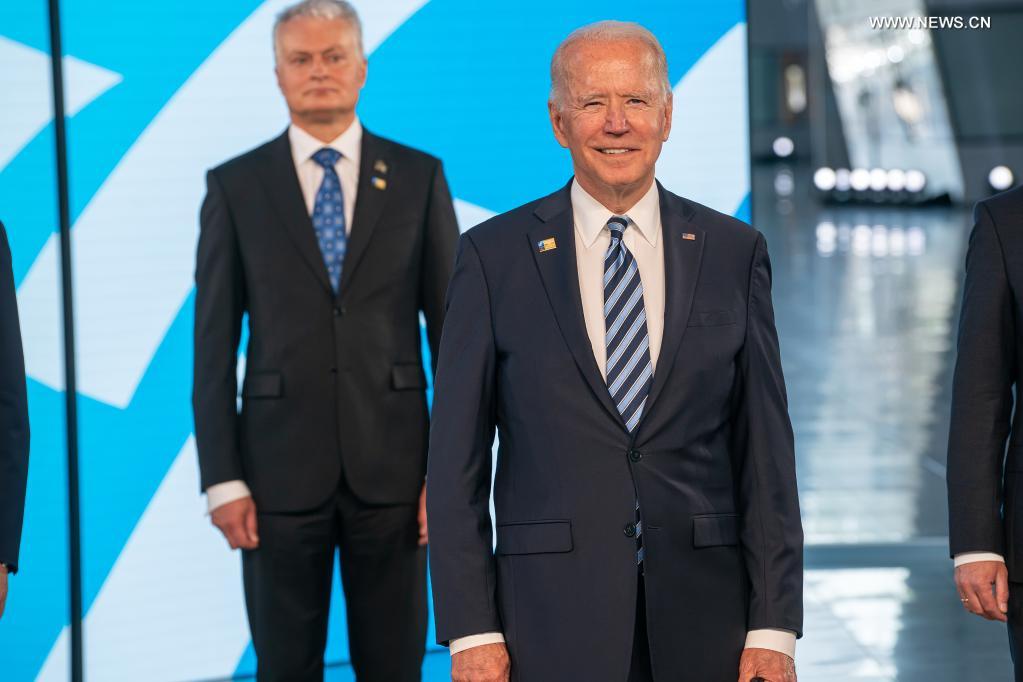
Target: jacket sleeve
440,238
14,429
771,533
219,307
981,395
459,473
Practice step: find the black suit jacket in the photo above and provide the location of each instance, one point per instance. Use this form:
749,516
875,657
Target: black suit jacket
14,432
984,505
712,459
332,383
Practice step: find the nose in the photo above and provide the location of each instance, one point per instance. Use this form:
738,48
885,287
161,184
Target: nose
319,67
616,122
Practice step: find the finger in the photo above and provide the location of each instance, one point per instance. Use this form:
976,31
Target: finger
985,590
970,600
1002,589
235,534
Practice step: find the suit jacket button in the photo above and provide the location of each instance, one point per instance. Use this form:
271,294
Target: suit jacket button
630,530
635,455
333,370
338,312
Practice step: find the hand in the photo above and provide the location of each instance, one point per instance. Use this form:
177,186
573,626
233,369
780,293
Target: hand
486,663
237,521
3,589
423,535
984,588
772,666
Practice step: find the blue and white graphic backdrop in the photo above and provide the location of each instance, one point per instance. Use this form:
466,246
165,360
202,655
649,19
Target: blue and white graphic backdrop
157,93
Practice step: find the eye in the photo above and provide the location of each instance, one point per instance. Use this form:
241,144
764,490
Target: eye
299,60
335,58
592,104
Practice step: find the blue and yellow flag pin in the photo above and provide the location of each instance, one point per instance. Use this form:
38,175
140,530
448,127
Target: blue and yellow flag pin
546,245
379,183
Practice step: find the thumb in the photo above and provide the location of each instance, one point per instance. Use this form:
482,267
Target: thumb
1002,589
251,529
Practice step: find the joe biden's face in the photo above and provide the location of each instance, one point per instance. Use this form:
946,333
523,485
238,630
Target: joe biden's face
614,116
320,68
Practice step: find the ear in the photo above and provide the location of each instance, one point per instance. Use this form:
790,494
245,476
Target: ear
557,124
363,72
668,109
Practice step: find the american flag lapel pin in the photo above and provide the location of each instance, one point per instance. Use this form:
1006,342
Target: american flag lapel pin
689,236
380,167
548,244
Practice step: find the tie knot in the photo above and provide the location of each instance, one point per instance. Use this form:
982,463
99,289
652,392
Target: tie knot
327,157
617,225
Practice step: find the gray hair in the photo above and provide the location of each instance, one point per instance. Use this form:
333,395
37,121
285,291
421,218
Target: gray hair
319,9
606,32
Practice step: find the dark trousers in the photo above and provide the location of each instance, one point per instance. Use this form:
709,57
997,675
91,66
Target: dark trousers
640,670
383,574
1016,628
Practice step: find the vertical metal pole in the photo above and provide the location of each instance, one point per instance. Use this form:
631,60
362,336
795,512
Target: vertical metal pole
70,388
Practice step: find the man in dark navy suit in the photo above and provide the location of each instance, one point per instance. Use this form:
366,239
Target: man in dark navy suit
984,476
620,340
14,432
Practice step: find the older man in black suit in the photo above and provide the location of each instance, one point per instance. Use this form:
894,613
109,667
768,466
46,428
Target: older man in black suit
332,240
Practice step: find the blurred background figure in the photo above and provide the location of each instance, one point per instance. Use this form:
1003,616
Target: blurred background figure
331,240
14,430
870,146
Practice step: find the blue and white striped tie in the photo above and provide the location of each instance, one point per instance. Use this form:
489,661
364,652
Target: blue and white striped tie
629,369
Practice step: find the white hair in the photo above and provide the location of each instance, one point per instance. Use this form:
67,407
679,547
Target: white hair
606,32
319,9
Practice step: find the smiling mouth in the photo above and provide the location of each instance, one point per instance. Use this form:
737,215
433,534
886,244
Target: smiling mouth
614,151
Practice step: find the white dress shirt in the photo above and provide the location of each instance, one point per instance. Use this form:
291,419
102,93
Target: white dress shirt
310,177
643,238
973,557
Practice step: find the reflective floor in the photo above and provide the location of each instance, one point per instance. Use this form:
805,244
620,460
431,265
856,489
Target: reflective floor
866,302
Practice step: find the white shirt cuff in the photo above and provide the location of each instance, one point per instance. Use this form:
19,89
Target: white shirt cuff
220,494
973,557
460,644
782,641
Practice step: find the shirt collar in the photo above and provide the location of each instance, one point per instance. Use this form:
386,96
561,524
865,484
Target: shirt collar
304,145
590,216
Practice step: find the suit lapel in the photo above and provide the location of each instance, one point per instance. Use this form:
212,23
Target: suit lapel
560,277
682,258
281,183
374,169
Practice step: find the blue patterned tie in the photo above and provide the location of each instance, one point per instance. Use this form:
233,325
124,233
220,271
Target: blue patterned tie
629,370
329,216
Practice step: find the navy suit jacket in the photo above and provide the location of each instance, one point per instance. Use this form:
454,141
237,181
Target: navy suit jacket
14,433
985,510
712,459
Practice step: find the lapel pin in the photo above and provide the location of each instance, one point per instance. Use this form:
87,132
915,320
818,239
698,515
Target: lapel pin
546,245
689,235
379,166
379,183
